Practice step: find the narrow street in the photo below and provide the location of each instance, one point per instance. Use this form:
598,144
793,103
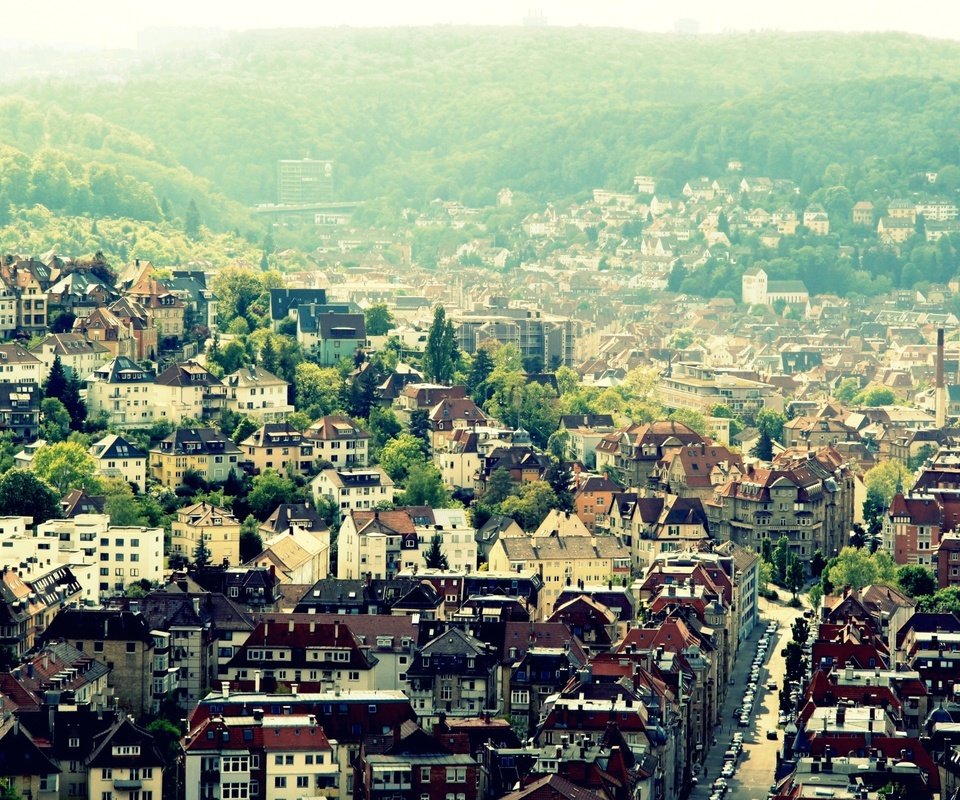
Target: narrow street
756,763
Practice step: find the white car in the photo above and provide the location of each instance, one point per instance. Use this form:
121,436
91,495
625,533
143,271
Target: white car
738,737
727,771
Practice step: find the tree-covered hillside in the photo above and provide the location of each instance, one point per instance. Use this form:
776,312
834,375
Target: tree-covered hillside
75,163
413,114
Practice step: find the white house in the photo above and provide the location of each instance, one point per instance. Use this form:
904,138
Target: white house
353,489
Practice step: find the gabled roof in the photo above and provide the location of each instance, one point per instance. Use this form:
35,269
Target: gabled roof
189,373
333,427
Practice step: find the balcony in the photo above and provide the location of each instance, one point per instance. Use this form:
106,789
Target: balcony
127,784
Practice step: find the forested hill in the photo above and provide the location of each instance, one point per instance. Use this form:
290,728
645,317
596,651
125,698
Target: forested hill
413,114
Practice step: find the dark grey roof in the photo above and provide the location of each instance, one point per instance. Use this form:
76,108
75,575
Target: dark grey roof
282,300
81,624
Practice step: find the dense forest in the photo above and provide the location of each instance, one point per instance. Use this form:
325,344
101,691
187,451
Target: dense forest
413,114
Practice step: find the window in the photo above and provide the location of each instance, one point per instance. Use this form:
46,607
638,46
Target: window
289,759
106,796
456,774
280,782
303,781
131,647
106,774
234,791
278,759
424,774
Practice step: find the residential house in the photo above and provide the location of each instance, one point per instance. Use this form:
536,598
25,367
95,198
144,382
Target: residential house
216,527
807,497
200,303
189,391
109,331
123,391
353,489
340,441
695,471
632,453
379,544
163,307
254,392
264,757
203,629
126,759
454,674
205,451
280,447
294,654
19,365
451,414
115,457
20,410
294,517
562,560
330,336
122,640
699,388
141,325
412,765
31,595
78,355
592,500
298,556
584,432
651,526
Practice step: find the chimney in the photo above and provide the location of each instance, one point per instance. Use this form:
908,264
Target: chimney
941,391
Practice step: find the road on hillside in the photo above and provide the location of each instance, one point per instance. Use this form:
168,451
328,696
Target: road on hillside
757,761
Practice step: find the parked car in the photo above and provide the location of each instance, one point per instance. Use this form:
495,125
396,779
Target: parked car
772,733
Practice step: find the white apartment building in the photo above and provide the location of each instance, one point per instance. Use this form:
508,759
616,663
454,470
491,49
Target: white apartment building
119,556
353,489
19,365
382,543
115,457
257,393
122,390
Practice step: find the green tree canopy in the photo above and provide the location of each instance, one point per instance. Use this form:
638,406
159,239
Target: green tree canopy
54,420
530,505
66,466
24,493
916,580
268,491
858,568
424,487
440,355
435,558
379,320
400,455
319,389
875,396
883,480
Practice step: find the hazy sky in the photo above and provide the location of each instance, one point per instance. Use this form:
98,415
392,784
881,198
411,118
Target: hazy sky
114,23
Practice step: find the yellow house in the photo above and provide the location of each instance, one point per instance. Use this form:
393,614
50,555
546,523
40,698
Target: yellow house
203,450
218,528
278,446
563,553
